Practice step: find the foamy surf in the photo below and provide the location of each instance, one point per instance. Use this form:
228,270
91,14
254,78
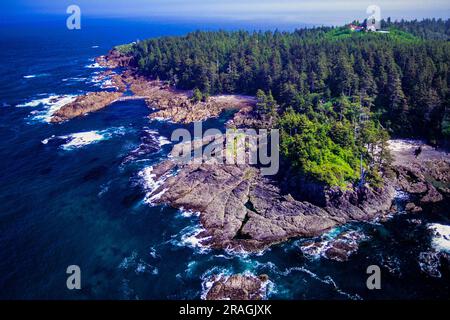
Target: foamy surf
152,185
32,76
50,105
82,139
216,274
102,81
187,213
138,265
441,237
94,65
212,275
325,280
74,79
190,237
338,244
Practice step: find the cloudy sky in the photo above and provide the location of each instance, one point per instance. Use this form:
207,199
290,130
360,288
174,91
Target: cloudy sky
307,11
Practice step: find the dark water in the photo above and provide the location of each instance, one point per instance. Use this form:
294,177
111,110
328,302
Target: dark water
79,199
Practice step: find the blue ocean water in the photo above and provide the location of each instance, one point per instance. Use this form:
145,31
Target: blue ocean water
74,193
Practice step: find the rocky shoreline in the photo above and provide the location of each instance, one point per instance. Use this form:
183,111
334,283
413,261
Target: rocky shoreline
177,105
240,209
85,104
237,287
426,177
169,103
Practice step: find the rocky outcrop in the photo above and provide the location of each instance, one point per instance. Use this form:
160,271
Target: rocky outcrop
115,59
237,287
433,263
339,248
246,117
241,209
179,108
413,208
426,176
84,104
177,105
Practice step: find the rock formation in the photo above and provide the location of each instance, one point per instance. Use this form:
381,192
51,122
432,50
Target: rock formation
114,59
426,176
237,287
84,104
241,209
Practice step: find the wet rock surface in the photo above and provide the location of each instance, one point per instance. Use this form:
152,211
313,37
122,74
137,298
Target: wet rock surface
114,59
84,104
339,248
426,176
241,209
433,263
176,105
170,103
237,287
411,207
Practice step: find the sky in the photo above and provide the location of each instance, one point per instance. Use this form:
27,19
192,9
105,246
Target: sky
320,12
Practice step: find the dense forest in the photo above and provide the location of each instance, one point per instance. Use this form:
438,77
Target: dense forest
335,94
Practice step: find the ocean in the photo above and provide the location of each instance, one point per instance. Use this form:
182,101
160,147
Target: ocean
75,193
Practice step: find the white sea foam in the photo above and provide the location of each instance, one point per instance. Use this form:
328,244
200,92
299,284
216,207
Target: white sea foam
148,178
429,263
75,79
153,253
31,76
397,145
190,237
162,119
216,274
94,65
239,251
107,84
138,265
326,280
401,195
188,213
318,248
163,141
81,139
212,275
50,105
104,188
102,81
151,184
441,237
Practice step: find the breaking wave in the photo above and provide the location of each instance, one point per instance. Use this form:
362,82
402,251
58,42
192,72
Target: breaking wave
82,139
50,105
